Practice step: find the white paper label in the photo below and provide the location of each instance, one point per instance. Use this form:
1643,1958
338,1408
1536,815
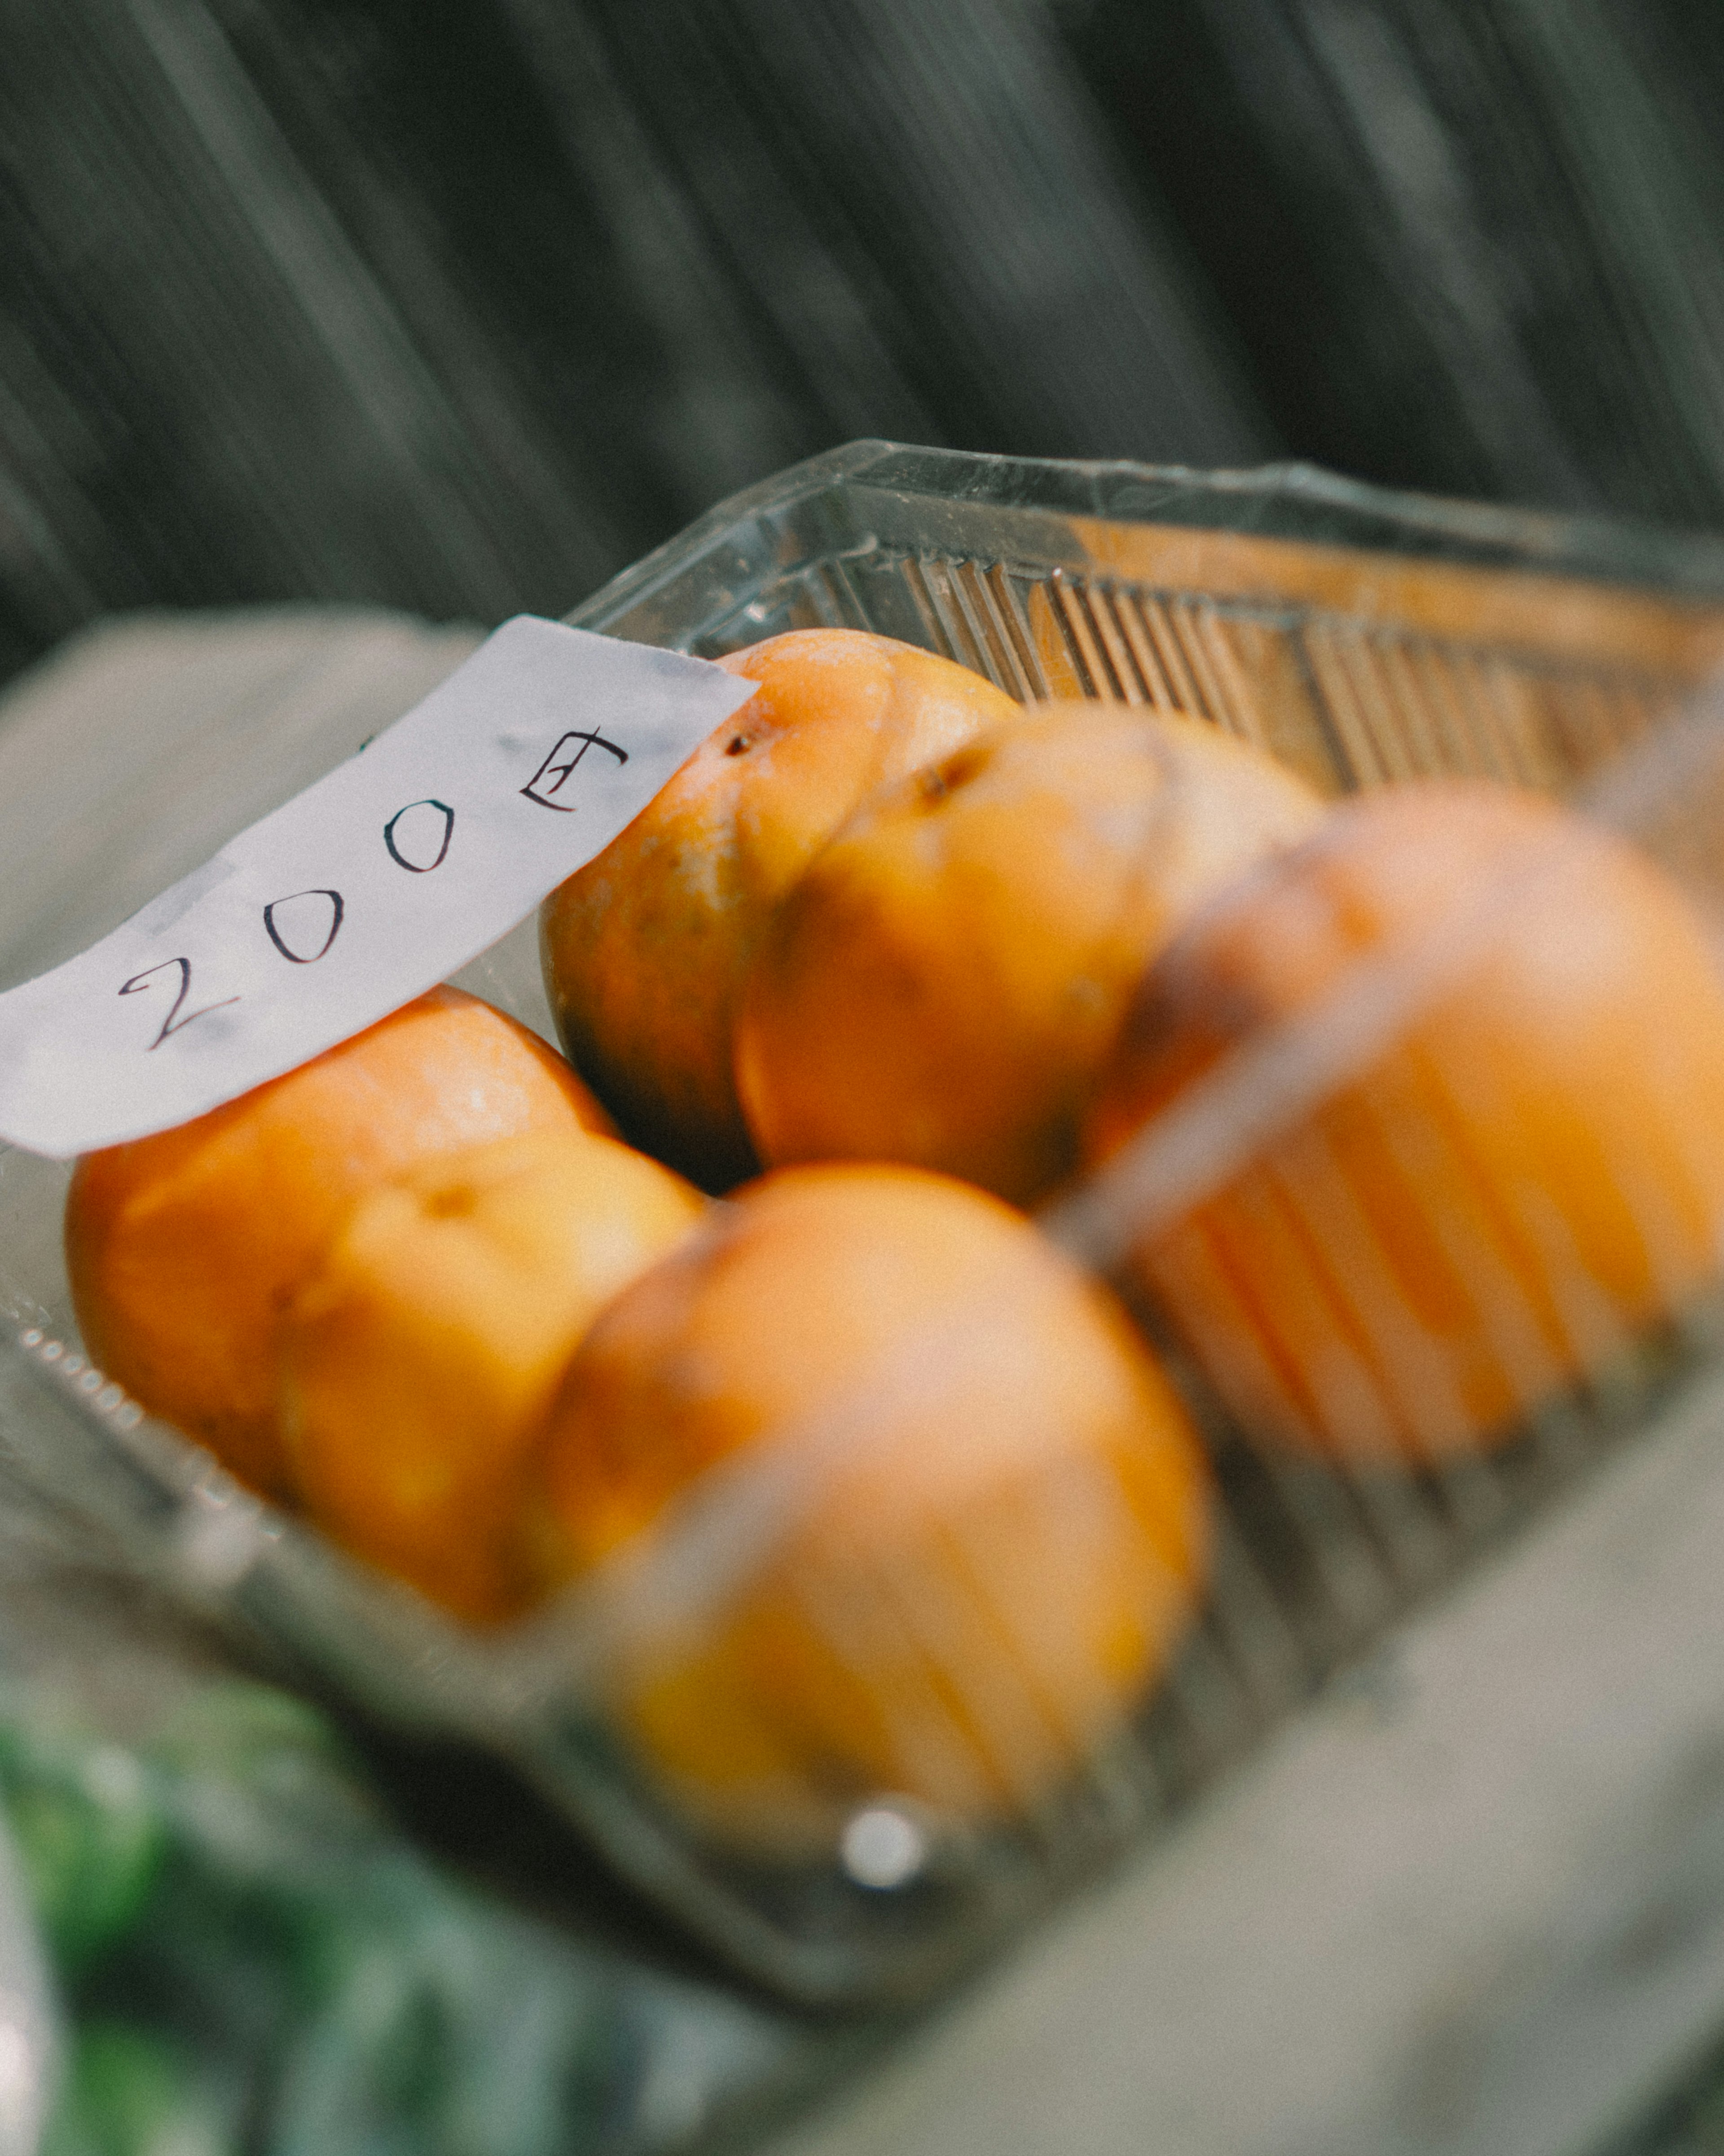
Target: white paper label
363,891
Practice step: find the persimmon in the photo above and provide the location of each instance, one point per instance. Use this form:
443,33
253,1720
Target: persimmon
962,1516
184,1248
942,983
1521,1165
421,1356
645,948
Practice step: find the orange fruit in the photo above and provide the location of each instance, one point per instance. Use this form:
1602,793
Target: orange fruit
954,1517
1522,1164
420,1357
942,983
185,1248
646,947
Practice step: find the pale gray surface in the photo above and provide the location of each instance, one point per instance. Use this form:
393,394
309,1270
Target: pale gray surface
319,672
30,2034
1473,1902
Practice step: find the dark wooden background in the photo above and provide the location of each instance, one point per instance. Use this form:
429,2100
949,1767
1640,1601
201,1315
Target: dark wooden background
461,305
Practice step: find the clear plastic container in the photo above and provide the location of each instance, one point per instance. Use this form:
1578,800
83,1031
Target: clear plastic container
1360,636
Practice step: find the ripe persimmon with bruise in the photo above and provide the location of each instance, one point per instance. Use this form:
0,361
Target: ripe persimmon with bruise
645,948
961,1519
942,983
419,1359
184,1248
1517,1162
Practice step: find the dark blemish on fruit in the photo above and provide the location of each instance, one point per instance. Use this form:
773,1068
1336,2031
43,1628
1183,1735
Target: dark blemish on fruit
736,745
956,770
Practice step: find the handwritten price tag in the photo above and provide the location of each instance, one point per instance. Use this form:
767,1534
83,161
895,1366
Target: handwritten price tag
363,891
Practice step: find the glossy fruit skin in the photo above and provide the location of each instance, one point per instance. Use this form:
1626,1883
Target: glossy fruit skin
184,1248
1520,1167
646,947
961,1517
943,983
421,1357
